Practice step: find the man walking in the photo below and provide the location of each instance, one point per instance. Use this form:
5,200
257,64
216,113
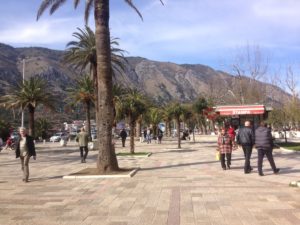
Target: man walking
25,149
123,135
245,138
83,139
264,145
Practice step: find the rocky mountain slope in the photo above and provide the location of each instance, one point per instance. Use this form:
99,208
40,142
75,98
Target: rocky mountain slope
162,81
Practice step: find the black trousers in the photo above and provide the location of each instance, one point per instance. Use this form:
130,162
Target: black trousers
222,159
269,154
123,142
86,150
247,153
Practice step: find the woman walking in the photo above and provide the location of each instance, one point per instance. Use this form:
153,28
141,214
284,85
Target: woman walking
225,143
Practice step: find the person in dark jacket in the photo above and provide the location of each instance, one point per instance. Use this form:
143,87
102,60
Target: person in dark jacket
123,136
264,145
25,149
245,138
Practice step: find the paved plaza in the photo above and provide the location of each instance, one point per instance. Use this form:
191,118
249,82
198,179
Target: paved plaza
172,187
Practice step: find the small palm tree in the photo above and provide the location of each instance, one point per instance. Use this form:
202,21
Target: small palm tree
131,107
177,110
155,116
167,117
42,126
83,92
29,94
198,107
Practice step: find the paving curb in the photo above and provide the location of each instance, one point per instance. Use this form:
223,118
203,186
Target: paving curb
75,177
286,150
136,156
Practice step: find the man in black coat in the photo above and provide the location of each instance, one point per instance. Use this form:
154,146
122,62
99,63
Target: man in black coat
264,145
245,138
123,135
25,149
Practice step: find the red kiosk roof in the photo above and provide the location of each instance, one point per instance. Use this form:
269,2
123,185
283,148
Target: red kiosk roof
240,110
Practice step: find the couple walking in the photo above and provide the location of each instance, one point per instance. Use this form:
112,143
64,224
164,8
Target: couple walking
261,139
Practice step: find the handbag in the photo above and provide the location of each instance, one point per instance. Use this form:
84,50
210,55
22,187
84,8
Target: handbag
218,156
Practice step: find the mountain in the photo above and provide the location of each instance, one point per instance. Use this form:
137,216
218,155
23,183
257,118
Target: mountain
162,81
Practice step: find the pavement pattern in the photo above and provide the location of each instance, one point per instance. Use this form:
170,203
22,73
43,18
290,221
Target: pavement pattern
173,187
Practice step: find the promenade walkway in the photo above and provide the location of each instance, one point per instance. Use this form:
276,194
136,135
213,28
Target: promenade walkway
186,187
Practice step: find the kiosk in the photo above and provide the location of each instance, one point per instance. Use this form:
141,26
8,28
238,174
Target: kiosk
238,114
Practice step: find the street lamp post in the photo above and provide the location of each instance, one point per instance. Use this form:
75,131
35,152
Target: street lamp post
23,73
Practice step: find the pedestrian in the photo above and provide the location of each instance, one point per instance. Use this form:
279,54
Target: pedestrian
160,135
9,143
1,143
225,144
148,136
264,146
123,135
83,139
25,149
145,134
245,138
231,132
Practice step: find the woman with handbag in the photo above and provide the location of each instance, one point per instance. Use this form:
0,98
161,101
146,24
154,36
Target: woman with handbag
225,144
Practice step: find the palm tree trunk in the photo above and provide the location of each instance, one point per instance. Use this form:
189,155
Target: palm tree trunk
138,129
170,129
107,160
166,129
132,126
31,110
88,118
178,132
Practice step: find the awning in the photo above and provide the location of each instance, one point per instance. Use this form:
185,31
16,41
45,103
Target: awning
240,110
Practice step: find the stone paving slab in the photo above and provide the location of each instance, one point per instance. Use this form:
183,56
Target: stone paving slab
186,187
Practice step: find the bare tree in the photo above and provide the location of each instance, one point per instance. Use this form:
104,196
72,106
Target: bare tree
249,68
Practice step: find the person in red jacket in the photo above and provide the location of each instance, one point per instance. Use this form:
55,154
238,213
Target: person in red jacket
225,144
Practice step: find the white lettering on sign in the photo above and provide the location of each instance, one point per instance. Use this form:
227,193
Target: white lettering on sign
238,112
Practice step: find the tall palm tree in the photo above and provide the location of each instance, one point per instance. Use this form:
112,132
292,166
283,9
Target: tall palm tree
131,107
29,94
177,110
81,53
83,92
107,160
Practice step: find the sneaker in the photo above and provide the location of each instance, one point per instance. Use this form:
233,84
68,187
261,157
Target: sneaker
276,171
261,174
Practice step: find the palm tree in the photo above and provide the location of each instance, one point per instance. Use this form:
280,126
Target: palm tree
29,94
107,160
198,107
155,116
83,92
42,126
132,106
177,110
82,53
167,117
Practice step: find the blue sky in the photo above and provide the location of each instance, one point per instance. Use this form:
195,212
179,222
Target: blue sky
182,31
